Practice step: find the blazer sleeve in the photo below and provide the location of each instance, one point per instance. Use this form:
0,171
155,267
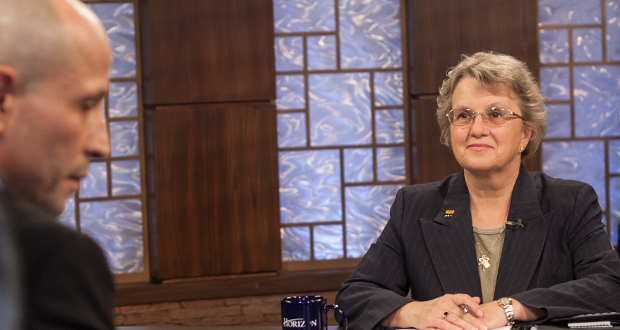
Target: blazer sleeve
595,286
378,286
73,288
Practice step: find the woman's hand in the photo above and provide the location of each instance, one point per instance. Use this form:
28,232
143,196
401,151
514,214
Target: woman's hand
430,314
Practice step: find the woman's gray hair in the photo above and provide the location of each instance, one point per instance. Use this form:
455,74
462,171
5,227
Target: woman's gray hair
490,69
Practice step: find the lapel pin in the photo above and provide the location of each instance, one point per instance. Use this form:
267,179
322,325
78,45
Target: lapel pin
449,213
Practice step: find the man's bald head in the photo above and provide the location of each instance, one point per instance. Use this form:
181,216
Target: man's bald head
38,37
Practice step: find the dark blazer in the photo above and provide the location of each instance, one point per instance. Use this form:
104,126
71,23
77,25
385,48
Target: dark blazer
560,260
66,281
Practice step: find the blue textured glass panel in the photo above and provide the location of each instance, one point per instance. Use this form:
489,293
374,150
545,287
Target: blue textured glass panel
125,177
328,242
370,34
118,20
368,210
390,126
553,46
614,196
587,45
310,186
95,184
358,165
391,164
117,227
123,99
577,160
597,99
321,52
124,138
554,83
67,217
290,93
295,243
289,53
612,15
560,12
388,88
559,121
340,109
304,15
291,130
614,156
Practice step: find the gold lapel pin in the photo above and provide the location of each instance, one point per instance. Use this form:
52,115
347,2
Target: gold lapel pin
449,213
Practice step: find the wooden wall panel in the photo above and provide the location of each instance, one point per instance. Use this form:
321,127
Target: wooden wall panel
445,29
440,31
216,177
199,51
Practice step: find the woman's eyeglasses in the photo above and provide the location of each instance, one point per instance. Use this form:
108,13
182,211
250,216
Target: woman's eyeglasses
493,116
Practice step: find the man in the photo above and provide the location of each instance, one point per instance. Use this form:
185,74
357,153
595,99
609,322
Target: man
54,62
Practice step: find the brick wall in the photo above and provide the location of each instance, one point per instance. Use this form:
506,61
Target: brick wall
258,310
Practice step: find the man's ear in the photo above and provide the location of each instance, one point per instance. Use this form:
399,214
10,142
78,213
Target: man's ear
8,88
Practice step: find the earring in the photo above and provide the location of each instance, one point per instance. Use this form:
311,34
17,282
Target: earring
522,148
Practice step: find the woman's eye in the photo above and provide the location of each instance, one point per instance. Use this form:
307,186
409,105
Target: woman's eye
464,115
495,114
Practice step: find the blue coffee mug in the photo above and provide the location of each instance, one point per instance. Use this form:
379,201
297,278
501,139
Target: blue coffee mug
307,313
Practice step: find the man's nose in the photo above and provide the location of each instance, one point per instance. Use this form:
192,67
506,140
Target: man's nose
99,141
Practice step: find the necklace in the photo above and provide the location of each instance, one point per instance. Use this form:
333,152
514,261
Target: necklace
484,259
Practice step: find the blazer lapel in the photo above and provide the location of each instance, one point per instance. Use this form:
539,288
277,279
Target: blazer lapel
450,241
523,244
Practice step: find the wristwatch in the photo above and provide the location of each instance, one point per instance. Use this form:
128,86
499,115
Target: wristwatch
506,304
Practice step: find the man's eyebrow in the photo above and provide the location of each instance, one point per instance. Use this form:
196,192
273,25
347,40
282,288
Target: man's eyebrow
96,97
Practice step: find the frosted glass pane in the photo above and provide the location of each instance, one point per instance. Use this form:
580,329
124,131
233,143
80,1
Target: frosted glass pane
559,12
291,130
553,46
358,165
289,53
321,52
124,138
587,45
304,15
123,99
612,16
614,156
310,186
368,210
340,109
290,92
597,99
117,227
577,160
328,242
614,195
370,34
95,184
118,20
390,126
388,88
126,177
554,83
67,217
559,121
295,243
391,164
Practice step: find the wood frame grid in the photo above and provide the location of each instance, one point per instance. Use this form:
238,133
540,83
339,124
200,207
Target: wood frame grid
345,262
571,64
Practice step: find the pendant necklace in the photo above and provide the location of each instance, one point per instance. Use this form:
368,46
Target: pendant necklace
484,257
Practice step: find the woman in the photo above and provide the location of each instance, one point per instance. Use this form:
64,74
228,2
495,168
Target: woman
494,243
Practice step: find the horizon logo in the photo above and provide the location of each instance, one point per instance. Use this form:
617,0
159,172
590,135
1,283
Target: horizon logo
293,323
